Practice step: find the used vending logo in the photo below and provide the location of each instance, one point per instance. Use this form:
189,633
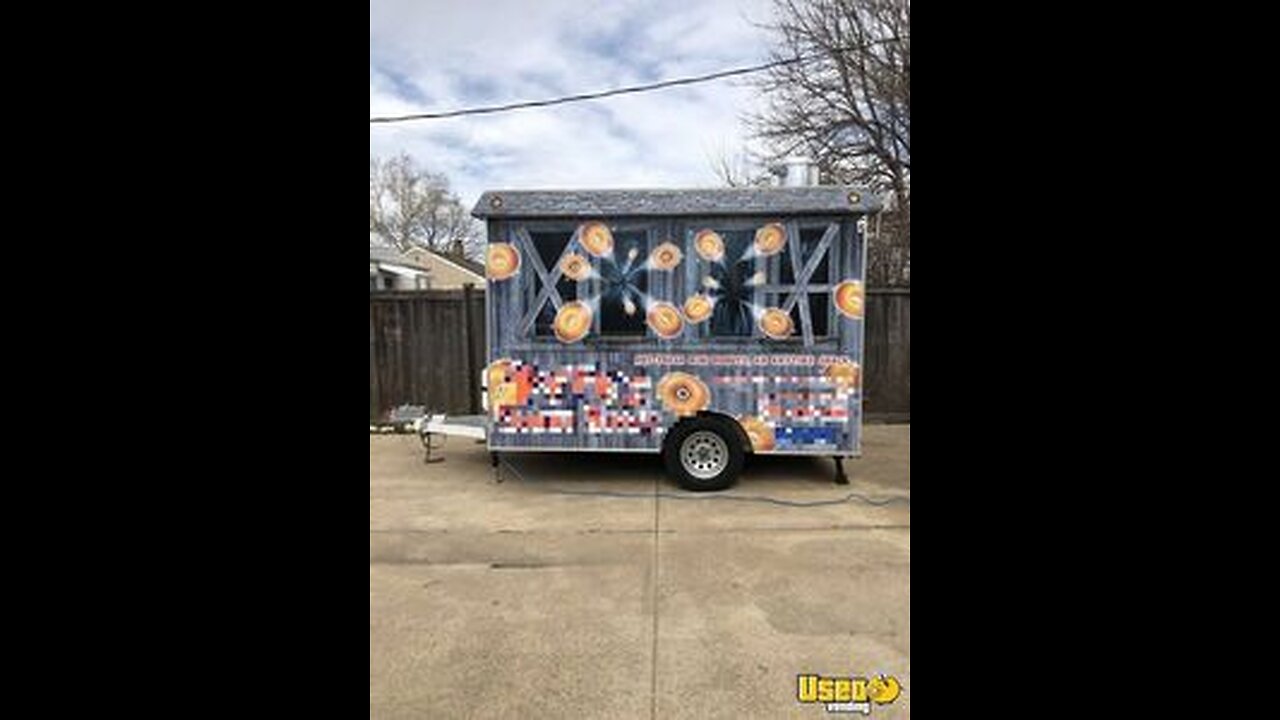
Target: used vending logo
847,694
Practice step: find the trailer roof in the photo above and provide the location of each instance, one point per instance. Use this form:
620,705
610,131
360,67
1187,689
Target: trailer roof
770,201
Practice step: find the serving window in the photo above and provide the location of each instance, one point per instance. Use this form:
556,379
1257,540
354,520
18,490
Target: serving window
765,280
728,276
622,286
550,246
594,281
581,282
808,259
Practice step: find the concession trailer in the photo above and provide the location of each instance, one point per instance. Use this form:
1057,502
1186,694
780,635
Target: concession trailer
699,324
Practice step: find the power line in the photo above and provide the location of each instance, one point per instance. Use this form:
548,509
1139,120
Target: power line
485,110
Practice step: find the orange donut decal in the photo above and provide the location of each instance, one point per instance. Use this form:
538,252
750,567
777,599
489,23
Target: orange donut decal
503,261
596,238
846,376
697,308
683,394
665,320
504,386
770,239
575,267
573,322
849,298
760,434
666,256
709,245
776,324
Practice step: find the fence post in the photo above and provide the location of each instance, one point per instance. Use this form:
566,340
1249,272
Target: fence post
468,290
375,401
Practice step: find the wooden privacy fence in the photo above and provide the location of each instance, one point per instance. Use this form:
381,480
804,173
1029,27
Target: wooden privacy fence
426,347
886,381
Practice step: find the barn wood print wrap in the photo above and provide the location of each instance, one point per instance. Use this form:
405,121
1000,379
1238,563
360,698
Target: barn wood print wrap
590,405
559,379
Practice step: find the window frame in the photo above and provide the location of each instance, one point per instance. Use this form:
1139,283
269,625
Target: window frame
595,286
688,229
816,285
683,281
531,289
654,229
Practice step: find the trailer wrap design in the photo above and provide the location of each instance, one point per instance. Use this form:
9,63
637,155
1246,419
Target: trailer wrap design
613,315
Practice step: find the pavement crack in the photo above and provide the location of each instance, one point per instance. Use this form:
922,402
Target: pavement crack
522,565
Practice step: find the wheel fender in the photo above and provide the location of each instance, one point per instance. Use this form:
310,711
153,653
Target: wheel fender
728,420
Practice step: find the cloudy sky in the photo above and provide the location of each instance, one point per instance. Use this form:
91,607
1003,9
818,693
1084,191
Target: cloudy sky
434,55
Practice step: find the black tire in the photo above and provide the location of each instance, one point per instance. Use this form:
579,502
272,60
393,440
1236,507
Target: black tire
723,460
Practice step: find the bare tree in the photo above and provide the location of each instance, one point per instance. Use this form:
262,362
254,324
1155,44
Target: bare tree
743,168
848,104
410,206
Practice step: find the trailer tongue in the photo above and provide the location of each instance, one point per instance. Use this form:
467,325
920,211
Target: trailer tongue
470,426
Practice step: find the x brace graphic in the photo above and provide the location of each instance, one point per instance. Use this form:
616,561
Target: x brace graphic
549,279
802,275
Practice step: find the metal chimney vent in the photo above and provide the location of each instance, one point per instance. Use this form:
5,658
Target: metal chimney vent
801,172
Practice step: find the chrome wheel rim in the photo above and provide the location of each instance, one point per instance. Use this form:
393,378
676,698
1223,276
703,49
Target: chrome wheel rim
704,454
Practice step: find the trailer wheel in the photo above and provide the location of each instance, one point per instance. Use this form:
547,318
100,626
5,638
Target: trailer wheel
703,454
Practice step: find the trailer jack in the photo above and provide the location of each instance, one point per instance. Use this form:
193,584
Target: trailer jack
427,443
841,478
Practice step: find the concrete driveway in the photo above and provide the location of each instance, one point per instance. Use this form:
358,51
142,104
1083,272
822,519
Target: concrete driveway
589,585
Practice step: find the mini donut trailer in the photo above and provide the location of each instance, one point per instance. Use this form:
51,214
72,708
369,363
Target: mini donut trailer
700,324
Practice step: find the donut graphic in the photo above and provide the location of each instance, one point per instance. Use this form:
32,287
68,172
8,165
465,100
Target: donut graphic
846,376
596,238
760,434
502,261
573,322
504,385
665,320
709,245
697,308
849,298
683,394
496,373
776,324
575,267
665,257
770,239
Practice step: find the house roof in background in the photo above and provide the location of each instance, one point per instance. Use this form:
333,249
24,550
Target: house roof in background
757,201
464,263
384,252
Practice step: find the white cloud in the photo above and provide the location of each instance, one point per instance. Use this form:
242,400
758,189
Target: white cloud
439,56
